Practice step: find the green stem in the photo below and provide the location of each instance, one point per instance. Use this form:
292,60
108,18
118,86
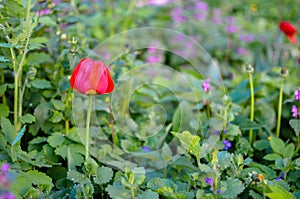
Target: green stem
279,109
130,7
88,121
16,97
67,125
298,145
252,107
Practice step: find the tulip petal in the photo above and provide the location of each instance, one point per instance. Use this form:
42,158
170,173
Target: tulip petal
110,86
292,38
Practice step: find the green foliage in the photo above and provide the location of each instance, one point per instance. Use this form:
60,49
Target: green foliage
168,133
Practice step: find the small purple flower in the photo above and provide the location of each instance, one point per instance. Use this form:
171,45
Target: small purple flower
206,85
4,167
147,149
218,191
231,26
250,38
295,112
209,181
7,195
178,15
44,12
217,19
159,2
227,144
297,94
278,178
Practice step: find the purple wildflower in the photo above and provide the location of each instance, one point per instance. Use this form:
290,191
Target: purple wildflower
158,2
44,12
218,191
4,167
217,19
231,26
201,9
206,85
209,181
278,178
147,149
227,144
295,112
297,94
250,38
178,15
7,195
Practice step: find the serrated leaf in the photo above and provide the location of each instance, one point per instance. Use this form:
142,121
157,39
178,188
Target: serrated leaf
104,175
224,159
139,175
189,142
8,129
295,124
55,139
182,117
38,140
216,123
77,177
277,145
148,194
156,183
19,136
279,192
4,110
118,192
28,118
232,187
41,83
233,130
245,123
38,178
272,156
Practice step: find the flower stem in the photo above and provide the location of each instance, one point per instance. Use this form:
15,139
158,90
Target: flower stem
252,107
279,108
88,121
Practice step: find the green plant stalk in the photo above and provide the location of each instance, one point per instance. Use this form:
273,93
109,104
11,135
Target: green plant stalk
88,121
67,125
252,107
4,101
130,8
279,109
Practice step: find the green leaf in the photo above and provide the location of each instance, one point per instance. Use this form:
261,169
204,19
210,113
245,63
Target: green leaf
182,117
216,123
28,118
58,104
272,156
261,144
231,188
224,159
37,58
8,129
117,192
278,192
189,142
295,124
19,136
148,194
139,175
3,59
56,139
104,175
38,178
4,110
288,152
3,89
56,117
233,130
246,124
47,21
277,145
13,8
77,177
41,83
162,186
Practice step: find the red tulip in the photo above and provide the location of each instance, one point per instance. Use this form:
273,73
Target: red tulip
289,30
91,77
